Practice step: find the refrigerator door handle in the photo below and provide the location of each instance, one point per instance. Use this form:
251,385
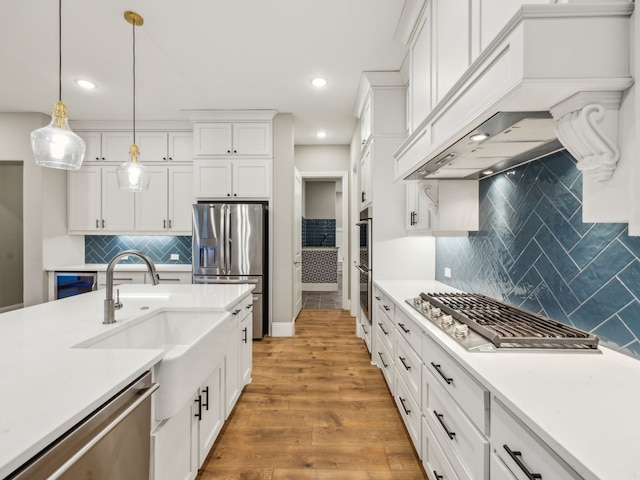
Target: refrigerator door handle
225,237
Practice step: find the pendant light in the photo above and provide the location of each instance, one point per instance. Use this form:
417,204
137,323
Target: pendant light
56,145
132,175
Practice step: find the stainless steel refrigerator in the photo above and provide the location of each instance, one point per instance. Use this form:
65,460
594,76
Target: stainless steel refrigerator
230,246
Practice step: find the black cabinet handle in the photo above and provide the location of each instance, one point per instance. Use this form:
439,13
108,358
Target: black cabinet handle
438,477
382,360
386,307
365,330
205,404
249,306
515,455
406,410
401,325
363,196
406,367
440,418
382,328
235,151
228,194
171,159
235,194
378,298
97,223
198,414
164,223
164,158
102,223
439,370
237,311
170,224
228,151
244,330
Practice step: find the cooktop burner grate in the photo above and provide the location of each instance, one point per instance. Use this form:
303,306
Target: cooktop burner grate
507,326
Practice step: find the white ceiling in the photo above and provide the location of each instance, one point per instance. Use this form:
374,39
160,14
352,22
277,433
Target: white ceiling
199,54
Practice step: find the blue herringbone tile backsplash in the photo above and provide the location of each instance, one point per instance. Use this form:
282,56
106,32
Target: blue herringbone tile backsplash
318,232
533,251
102,248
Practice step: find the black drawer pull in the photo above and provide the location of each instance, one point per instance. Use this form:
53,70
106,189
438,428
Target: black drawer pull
401,325
440,418
402,400
438,477
382,328
378,298
439,370
205,404
386,308
382,360
406,367
199,412
515,455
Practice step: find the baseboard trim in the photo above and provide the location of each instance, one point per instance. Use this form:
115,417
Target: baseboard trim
283,329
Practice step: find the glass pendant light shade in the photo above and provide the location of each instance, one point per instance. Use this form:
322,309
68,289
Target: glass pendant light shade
56,146
132,175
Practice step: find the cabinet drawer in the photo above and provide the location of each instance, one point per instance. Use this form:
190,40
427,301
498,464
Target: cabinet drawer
409,366
385,304
470,395
384,327
410,330
384,360
522,451
499,470
121,278
173,277
466,448
247,306
409,411
433,458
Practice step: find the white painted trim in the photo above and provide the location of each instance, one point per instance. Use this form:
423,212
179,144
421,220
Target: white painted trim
11,307
346,255
229,115
319,287
283,329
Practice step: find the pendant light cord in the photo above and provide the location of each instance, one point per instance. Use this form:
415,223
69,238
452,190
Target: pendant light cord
133,25
60,50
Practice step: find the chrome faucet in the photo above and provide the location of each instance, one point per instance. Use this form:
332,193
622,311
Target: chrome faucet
110,306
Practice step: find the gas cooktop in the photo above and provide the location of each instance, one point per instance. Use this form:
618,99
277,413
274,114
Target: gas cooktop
482,324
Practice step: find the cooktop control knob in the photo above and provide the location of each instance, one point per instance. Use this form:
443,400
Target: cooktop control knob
447,321
417,301
436,312
461,331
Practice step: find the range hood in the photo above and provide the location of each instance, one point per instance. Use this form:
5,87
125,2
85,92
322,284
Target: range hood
502,142
544,83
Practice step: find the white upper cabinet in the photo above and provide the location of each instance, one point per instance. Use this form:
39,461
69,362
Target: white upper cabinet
106,146
419,92
160,147
365,122
237,179
232,139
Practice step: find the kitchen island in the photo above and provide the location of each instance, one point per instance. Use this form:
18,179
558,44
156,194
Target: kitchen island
48,385
578,409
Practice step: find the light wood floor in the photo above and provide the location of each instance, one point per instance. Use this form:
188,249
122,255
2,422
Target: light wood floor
316,409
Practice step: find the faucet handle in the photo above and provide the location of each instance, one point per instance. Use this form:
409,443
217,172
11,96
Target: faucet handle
118,304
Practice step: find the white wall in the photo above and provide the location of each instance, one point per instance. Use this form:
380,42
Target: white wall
282,227
322,158
44,206
320,200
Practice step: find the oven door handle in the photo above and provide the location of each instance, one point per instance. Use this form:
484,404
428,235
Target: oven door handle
363,269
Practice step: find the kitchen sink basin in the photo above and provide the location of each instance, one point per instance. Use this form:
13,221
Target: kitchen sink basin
193,342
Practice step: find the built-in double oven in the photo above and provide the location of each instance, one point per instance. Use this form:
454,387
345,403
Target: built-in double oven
364,263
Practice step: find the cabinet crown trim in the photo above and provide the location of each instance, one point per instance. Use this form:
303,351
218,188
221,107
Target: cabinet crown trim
229,115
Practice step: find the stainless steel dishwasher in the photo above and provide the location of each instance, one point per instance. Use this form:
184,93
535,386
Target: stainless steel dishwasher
112,443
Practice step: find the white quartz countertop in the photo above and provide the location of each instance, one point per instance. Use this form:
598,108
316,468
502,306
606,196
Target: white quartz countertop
47,386
123,267
585,406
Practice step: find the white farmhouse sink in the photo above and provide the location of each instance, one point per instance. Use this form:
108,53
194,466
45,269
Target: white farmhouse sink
193,342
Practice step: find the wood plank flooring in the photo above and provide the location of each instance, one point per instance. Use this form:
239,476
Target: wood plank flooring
316,409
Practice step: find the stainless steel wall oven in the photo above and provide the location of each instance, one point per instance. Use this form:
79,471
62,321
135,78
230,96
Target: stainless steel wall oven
364,263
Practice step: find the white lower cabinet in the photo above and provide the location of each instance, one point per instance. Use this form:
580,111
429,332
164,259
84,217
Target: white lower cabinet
122,277
409,411
246,347
209,411
525,455
499,471
236,370
433,458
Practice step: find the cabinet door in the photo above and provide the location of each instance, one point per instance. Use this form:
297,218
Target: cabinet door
151,206
83,200
153,146
246,331
232,371
422,201
212,178
180,200
252,139
420,73
180,146
211,412
115,146
212,139
452,43
93,143
252,178
365,121
365,178
118,206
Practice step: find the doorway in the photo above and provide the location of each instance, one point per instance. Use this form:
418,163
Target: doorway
11,236
324,239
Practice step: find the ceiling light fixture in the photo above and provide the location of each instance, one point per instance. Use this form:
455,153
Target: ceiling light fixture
487,172
132,175
319,82
86,84
56,146
321,134
478,137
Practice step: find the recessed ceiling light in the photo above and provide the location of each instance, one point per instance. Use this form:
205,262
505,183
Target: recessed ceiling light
487,172
318,82
86,84
321,134
478,137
